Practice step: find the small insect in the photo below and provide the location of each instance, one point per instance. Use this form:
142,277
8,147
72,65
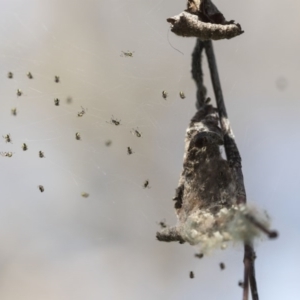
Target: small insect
136,132
81,113
164,94
162,224
14,111
77,136
192,275
29,75
24,147
10,75
41,154
7,138
199,255
108,143
241,283
85,195
56,79
114,121
19,92
56,101
222,266
129,151
7,154
182,95
41,188
127,53
146,184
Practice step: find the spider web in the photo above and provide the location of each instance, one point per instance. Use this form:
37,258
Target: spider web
60,245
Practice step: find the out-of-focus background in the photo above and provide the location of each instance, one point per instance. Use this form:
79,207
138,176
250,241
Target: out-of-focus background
60,245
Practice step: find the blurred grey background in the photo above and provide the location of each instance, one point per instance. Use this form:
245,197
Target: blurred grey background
59,245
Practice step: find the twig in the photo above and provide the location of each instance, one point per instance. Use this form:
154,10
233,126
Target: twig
235,162
189,25
198,74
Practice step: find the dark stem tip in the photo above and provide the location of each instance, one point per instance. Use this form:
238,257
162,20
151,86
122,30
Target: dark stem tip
273,234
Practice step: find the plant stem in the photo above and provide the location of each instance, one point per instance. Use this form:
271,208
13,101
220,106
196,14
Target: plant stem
235,162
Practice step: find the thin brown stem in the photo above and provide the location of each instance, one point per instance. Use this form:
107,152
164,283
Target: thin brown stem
271,233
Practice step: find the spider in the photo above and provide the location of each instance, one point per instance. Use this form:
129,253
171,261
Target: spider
14,111
7,154
114,121
182,95
29,75
41,188
108,143
10,75
199,255
146,184
56,101
41,154
77,136
7,138
56,79
127,53
129,151
24,147
136,132
164,94
81,113
162,224
19,92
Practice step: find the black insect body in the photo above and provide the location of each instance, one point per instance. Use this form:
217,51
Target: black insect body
162,224
7,138
164,94
192,275
24,147
115,121
146,184
6,154
222,266
41,154
29,75
127,53
108,143
129,151
136,132
81,113
199,255
10,75
56,102
77,136
14,111
56,79
41,188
